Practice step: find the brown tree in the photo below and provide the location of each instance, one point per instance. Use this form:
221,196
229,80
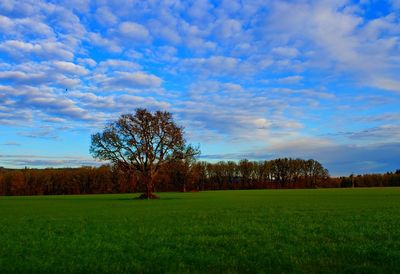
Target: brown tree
142,142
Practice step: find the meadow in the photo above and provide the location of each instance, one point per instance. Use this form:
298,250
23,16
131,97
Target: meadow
249,231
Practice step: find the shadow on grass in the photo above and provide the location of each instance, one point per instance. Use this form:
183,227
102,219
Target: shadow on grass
138,199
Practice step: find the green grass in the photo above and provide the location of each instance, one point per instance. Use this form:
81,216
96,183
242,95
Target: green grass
255,231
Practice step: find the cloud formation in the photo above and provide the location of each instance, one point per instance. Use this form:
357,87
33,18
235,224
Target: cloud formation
243,77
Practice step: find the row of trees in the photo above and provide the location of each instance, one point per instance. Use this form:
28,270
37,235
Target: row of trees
84,180
247,174
371,180
178,175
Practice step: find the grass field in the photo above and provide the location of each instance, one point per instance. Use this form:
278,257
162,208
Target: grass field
275,231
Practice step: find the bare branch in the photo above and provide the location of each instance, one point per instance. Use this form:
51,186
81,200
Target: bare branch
142,142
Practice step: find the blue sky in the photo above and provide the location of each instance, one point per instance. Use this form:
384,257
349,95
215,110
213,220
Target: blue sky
248,79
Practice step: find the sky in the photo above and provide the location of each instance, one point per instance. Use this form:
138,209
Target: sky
246,78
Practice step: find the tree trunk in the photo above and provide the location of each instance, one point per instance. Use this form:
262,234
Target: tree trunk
149,182
147,179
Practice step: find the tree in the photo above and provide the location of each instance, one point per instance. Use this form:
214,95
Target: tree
245,168
142,142
315,172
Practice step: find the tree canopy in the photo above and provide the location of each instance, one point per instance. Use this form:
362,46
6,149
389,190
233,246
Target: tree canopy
142,142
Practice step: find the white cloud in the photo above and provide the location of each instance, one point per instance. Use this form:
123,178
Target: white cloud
262,123
44,49
106,17
295,79
222,112
334,38
228,28
14,45
31,26
56,120
134,31
6,24
48,73
21,160
232,87
87,61
54,50
132,80
127,101
57,105
98,40
286,52
165,30
80,6
213,65
117,64
200,9
385,83
23,78
300,144
70,68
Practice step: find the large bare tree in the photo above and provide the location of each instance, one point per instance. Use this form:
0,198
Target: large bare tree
142,142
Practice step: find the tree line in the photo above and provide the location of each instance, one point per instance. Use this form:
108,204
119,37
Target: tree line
178,175
278,173
371,180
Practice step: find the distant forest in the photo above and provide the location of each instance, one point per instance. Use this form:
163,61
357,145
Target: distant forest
181,176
